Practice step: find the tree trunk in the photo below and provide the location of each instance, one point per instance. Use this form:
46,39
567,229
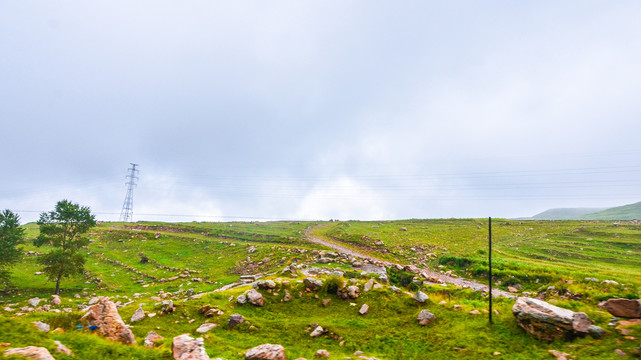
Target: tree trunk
58,286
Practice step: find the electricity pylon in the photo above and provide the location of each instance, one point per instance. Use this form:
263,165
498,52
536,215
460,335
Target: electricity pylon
127,212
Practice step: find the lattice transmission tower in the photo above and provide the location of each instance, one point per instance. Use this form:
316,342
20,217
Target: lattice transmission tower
127,212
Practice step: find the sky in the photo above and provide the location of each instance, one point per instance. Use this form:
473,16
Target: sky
369,110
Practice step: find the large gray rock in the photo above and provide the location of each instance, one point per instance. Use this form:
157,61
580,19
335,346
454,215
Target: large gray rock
266,352
185,347
235,319
105,316
622,307
421,297
138,315
151,339
425,317
312,284
548,322
241,300
206,327
31,352
255,298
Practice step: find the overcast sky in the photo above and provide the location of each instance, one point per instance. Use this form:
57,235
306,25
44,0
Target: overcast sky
319,110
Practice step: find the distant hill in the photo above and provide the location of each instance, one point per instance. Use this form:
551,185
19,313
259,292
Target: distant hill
625,212
566,213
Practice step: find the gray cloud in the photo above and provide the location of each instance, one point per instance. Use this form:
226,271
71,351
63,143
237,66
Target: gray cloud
318,110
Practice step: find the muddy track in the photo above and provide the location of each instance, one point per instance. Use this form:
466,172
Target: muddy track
430,275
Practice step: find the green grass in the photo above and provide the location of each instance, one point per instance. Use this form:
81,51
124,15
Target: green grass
536,254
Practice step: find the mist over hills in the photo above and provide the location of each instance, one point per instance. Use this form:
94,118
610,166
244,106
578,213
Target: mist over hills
625,212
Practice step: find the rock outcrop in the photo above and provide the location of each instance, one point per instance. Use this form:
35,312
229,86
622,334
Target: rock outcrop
266,352
425,317
548,322
31,352
622,307
312,284
104,315
185,347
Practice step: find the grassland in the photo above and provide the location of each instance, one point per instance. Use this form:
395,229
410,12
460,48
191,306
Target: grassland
535,254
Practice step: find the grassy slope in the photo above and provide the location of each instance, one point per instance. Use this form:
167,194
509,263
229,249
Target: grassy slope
389,331
565,213
626,212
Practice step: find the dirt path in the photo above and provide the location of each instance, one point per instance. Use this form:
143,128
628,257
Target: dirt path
430,275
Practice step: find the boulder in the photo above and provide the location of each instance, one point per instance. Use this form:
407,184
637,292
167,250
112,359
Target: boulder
622,307
266,352
152,338
312,284
235,319
33,302
241,300
55,300
255,298
364,309
138,315
206,327
351,292
368,285
185,347
321,354
61,348
548,322
42,326
421,297
265,284
31,352
317,332
104,315
425,317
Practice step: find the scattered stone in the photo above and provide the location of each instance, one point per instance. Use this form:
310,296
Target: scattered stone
364,309
42,326
235,319
312,284
266,352
394,289
61,348
475,312
321,354
93,300
326,302
109,324
421,297
55,300
548,322
351,292
31,352
241,300
425,317
206,327
255,298
265,284
559,355
33,302
184,347
512,289
317,332
287,296
167,307
138,315
403,229
152,338
620,352
443,302
368,285
622,307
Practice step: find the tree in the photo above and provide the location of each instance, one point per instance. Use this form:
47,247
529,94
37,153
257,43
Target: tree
11,235
64,229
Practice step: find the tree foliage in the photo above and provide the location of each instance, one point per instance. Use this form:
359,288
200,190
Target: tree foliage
65,230
11,235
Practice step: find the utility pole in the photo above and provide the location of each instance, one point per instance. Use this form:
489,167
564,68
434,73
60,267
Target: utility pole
490,263
127,212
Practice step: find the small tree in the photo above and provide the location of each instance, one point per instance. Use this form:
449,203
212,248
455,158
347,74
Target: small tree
11,235
64,228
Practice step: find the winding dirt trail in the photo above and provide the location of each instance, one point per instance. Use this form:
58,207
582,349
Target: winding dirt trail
428,274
